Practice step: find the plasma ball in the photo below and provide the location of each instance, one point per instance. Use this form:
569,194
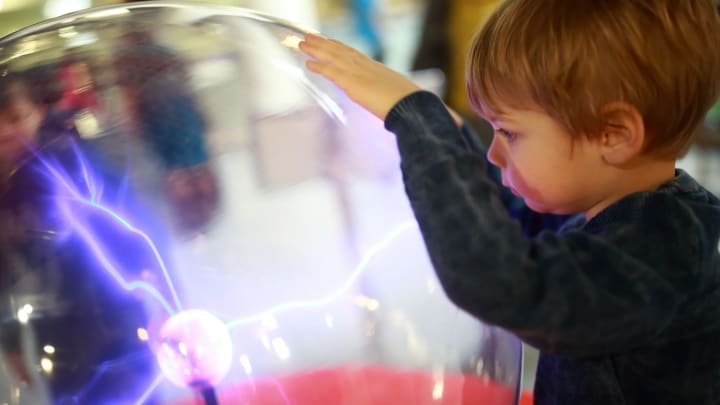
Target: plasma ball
195,349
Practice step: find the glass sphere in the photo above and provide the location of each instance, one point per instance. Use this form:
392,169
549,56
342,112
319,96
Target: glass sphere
188,214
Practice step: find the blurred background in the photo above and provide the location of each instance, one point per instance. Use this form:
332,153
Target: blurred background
425,38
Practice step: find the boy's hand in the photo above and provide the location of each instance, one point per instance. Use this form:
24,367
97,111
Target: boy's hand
371,84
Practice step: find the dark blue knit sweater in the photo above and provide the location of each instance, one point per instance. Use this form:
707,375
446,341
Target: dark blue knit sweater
625,308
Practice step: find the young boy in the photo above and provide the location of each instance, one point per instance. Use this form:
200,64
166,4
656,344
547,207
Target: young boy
591,103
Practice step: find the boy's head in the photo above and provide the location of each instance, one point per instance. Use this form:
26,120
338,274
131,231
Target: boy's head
571,59
21,115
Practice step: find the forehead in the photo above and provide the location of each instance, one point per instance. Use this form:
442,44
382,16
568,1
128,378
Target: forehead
505,104
513,115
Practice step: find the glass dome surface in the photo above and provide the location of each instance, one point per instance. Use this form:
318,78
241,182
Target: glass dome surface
189,216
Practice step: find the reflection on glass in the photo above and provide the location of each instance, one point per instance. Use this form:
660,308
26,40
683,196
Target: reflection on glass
188,214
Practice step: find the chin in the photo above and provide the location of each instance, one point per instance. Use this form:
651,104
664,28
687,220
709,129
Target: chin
541,208
537,207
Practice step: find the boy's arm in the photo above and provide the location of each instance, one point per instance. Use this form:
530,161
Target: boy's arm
378,88
573,294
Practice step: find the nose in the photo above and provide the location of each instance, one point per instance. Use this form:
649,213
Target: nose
495,154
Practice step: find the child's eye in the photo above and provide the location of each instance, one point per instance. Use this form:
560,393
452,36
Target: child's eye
510,136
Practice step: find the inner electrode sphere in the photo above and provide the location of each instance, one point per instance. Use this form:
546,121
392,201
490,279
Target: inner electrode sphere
195,349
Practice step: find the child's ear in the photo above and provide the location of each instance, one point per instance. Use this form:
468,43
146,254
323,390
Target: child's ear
623,134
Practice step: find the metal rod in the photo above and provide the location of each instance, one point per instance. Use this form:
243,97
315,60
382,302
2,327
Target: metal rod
209,396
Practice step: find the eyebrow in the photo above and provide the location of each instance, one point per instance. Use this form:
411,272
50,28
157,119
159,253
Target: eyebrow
502,120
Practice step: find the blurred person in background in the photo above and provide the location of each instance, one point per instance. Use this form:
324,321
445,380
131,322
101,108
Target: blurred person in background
168,117
447,31
364,13
50,207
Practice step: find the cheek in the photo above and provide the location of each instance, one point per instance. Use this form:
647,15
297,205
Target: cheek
523,172
535,181
526,185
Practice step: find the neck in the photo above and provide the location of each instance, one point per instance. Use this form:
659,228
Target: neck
644,176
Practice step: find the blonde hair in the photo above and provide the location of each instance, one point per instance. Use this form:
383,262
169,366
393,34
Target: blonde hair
571,58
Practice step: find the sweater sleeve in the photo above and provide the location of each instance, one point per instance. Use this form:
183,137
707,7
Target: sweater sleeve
574,294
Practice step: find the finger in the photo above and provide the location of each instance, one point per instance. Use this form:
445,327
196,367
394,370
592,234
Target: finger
311,37
346,50
330,72
334,74
320,50
312,50
323,48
